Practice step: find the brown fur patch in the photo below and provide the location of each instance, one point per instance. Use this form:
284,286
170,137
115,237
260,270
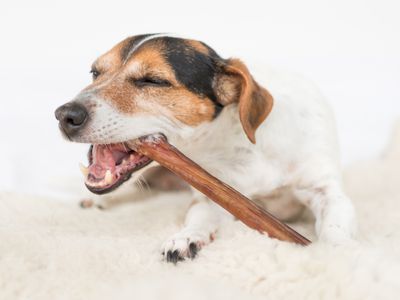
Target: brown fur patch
255,102
115,86
123,95
187,107
198,46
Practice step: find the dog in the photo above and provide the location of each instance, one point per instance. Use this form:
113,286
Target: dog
275,144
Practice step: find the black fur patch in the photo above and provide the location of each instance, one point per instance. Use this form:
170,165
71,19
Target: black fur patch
192,68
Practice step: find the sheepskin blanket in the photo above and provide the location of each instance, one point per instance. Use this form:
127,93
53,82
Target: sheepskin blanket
52,249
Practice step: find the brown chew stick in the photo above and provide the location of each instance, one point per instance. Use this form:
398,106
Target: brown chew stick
157,148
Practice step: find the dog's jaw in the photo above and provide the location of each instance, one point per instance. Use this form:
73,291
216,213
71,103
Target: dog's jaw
111,165
107,128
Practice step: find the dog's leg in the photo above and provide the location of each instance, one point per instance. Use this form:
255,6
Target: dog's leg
201,223
333,211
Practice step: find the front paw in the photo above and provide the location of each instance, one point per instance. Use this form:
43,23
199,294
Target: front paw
90,203
185,244
86,203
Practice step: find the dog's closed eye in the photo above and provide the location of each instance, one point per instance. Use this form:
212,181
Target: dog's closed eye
94,73
150,81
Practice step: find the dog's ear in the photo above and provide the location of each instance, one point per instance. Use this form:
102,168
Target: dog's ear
234,83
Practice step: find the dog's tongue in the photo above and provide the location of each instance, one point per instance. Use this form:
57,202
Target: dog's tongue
106,157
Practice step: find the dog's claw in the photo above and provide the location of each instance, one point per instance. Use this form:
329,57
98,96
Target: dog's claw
185,244
193,249
174,256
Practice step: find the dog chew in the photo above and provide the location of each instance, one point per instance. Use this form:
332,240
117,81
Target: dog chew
157,148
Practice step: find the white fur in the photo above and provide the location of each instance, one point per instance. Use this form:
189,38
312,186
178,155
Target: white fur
296,149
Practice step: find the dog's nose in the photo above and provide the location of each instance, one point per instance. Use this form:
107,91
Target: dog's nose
72,117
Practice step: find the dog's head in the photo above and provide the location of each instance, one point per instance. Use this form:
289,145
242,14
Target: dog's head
155,84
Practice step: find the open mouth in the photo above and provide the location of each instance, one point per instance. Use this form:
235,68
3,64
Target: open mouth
111,165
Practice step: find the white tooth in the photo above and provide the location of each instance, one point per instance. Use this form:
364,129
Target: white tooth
84,170
108,178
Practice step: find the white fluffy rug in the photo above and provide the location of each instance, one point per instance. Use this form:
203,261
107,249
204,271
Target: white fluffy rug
52,249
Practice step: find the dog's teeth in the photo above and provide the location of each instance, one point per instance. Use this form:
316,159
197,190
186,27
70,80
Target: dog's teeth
108,178
84,170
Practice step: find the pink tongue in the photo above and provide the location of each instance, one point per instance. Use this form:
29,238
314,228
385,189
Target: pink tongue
103,160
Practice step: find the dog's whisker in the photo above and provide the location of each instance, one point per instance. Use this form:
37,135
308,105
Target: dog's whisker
144,182
139,184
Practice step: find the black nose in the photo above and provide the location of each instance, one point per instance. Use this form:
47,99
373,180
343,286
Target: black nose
72,117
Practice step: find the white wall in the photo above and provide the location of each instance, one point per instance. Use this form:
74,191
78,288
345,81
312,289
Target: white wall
349,48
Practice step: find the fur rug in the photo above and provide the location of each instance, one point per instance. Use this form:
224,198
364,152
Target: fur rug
52,249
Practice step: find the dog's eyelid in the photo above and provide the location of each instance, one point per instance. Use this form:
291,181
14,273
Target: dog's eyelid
95,73
150,81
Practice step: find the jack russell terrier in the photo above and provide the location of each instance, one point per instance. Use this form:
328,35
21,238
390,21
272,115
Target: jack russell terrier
276,146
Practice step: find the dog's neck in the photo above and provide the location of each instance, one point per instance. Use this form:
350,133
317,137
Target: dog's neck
218,143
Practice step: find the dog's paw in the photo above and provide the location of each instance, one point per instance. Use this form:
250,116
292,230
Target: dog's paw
86,203
185,244
89,203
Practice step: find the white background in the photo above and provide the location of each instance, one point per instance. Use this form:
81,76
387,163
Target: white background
349,48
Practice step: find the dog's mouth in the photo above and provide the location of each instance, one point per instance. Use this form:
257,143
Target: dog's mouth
111,165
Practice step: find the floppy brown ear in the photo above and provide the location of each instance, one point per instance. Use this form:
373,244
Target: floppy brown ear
235,84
